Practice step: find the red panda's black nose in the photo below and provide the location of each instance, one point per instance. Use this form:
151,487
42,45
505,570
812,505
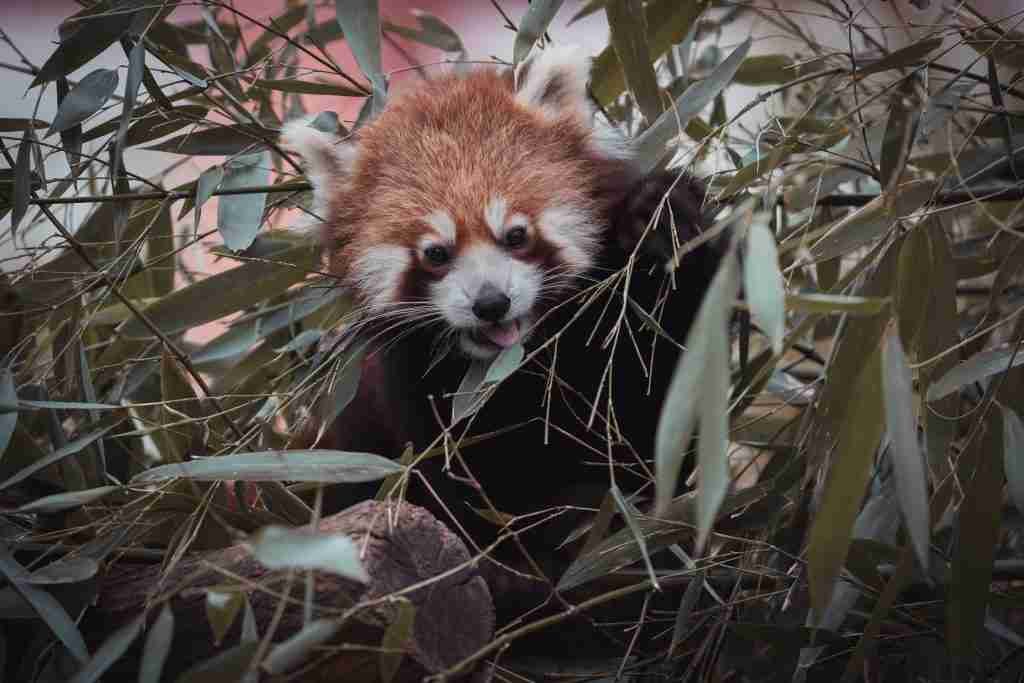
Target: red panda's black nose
491,304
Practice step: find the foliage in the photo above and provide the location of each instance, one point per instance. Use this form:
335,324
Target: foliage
849,513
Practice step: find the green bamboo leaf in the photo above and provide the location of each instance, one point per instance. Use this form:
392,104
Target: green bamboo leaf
898,131
909,471
627,512
504,364
1013,456
230,665
652,144
977,538
59,502
1004,46
289,653
360,22
532,26
295,85
217,141
836,303
762,283
240,216
907,56
628,26
807,190
912,284
65,570
222,606
668,23
8,419
859,434
975,369
278,547
766,70
940,108
764,164
209,181
91,36
324,466
344,384
697,396
871,221
224,293
157,647
136,69
65,451
432,31
397,640
22,190
467,397
44,605
85,99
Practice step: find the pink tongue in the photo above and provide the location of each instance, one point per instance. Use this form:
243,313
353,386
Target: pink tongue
503,334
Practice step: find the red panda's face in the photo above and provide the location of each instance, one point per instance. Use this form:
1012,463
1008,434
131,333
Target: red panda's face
469,202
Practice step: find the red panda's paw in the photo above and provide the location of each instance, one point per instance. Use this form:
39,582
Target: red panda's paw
674,200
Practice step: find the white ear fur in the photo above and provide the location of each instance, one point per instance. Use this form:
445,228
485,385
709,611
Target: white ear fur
555,81
324,156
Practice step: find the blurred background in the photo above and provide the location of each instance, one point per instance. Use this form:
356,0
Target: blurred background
30,34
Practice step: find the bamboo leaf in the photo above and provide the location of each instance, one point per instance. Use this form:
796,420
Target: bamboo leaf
226,292
324,466
22,190
360,22
907,56
836,303
222,606
295,85
762,282
157,647
112,649
977,538
8,419
909,470
276,547
628,26
859,434
975,369
652,144
59,502
697,395
668,23
239,217
45,605
67,450
91,36
532,26
290,653
1013,456
85,99
397,640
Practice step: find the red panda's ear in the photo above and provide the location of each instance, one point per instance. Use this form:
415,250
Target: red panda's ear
555,81
326,158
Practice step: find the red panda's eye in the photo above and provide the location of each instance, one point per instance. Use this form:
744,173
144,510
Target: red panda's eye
515,237
436,255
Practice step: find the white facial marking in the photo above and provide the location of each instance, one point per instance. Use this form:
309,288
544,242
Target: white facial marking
444,224
494,214
486,264
379,273
574,232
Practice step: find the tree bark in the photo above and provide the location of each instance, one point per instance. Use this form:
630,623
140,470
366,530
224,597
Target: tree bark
402,545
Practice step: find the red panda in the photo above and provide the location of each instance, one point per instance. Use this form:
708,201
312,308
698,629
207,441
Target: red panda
467,218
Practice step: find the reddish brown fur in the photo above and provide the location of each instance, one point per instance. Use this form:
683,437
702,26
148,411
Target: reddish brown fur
454,146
